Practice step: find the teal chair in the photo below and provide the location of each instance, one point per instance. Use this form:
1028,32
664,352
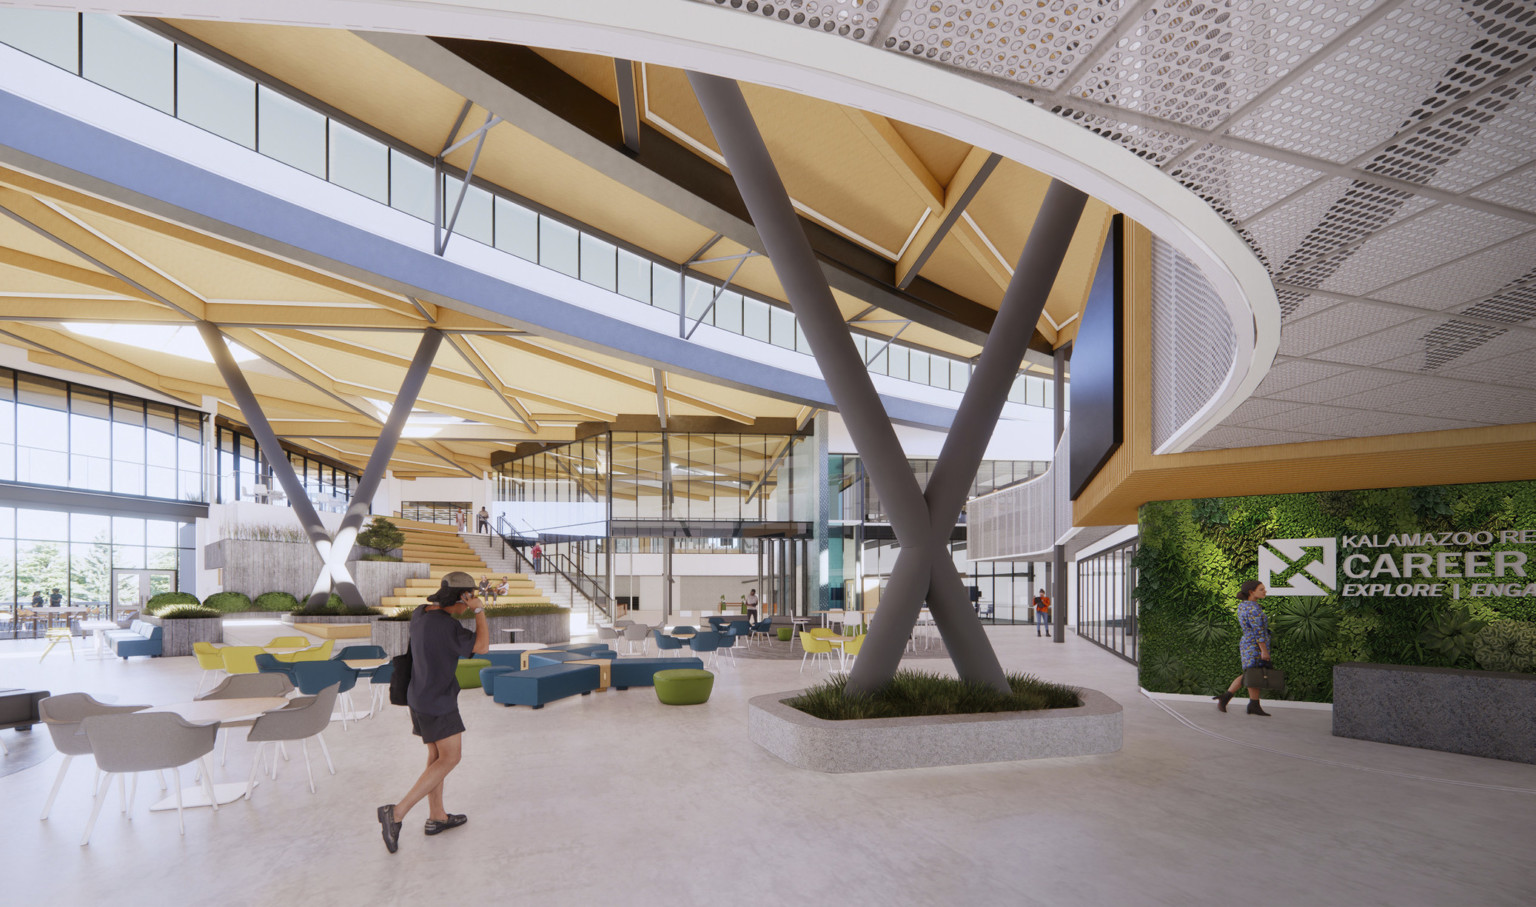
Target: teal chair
666,643
314,676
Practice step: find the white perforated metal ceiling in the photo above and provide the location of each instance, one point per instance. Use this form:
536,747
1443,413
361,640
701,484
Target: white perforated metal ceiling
1378,155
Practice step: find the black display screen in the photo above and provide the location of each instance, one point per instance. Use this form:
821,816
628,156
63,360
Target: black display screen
1098,357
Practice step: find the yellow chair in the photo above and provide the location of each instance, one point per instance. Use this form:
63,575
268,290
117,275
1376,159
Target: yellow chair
813,645
288,642
240,659
821,633
851,649
56,635
318,653
210,659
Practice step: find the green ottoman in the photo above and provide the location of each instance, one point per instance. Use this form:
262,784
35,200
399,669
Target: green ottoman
684,686
468,672
785,633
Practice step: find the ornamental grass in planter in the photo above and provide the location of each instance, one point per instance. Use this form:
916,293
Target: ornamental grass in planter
276,601
913,694
229,602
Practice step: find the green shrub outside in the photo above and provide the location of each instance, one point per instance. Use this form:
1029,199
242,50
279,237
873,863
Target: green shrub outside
917,693
276,601
187,612
380,557
229,602
162,600
1192,556
334,606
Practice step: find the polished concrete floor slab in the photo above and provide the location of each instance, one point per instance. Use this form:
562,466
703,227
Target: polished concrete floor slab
614,798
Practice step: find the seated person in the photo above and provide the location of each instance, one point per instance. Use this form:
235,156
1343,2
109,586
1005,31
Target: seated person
501,588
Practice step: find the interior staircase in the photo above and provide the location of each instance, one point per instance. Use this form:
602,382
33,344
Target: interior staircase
445,551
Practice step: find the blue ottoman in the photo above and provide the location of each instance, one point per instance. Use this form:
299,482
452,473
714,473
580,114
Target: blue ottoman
545,659
537,686
587,649
641,672
488,676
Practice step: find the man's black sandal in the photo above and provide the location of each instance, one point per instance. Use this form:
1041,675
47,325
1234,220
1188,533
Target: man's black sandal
390,826
454,820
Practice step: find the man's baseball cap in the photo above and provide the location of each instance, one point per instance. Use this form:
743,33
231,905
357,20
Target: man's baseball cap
459,581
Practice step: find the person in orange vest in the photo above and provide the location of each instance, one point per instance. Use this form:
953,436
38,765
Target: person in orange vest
1042,612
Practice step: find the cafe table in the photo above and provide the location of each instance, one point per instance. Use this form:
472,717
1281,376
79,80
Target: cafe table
842,656
227,712
365,666
98,629
512,632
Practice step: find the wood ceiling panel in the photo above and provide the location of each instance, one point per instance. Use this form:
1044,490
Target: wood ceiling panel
941,154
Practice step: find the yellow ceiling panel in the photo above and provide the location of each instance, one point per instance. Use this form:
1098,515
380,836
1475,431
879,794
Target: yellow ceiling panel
344,71
1006,206
21,281
205,270
826,158
1070,291
591,70
954,267
18,238
939,153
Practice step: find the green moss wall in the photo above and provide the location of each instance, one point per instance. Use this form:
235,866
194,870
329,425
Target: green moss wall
1193,555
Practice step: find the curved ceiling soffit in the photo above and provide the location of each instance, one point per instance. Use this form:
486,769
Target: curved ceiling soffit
717,41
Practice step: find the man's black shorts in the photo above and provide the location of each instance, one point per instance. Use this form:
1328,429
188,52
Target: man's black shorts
432,728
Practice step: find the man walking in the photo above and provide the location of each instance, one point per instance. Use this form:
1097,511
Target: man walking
483,520
438,641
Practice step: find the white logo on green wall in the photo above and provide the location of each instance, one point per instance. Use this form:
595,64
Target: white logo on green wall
1318,560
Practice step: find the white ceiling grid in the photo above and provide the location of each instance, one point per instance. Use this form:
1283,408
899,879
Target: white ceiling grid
1378,155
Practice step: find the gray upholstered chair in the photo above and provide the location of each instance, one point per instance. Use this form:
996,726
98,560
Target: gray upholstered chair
63,714
637,633
247,686
299,720
610,636
621,624
147,742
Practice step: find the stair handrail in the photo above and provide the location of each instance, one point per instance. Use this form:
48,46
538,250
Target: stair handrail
598,599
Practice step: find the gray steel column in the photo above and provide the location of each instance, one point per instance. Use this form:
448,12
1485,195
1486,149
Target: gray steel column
378,461
266,439
783,575
821,500
1059,555
912,517
666,579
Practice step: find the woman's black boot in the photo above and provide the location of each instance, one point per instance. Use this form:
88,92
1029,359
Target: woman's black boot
1255,709
1222,700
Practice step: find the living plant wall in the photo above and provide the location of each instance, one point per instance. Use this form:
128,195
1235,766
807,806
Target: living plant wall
1439,575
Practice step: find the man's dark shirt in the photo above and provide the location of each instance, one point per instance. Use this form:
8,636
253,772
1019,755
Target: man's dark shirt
438,641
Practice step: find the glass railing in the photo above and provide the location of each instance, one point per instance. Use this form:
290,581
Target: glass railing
285,125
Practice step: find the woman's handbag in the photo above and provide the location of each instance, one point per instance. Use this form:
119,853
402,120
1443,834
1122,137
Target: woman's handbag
400,680
1264,677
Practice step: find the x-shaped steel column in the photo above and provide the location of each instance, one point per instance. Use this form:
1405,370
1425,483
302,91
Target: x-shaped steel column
333,550
921,520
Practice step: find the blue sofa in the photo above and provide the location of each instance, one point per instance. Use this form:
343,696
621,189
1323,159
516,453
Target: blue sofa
538,686
139,639
641,672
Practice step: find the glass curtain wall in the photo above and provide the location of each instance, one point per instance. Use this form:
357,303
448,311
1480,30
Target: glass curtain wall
990,476
243,474
1106,609
83,556
69,435
1006,589
445,512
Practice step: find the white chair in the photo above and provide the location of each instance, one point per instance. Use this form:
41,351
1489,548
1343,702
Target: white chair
62,714
636,633
146,742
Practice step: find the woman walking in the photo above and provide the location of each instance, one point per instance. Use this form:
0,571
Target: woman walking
1254,647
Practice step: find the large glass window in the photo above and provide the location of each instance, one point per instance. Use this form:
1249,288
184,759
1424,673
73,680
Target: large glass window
358,162
129,60
290,132
216,98
517,230
47,35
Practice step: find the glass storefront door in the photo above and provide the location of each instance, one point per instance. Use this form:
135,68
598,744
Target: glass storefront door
132,588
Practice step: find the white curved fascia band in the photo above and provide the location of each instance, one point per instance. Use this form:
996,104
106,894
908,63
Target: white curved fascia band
751,49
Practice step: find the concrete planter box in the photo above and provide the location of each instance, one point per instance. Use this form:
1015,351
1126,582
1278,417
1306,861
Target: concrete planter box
252,566
1479,713
177,636
879,744
393,635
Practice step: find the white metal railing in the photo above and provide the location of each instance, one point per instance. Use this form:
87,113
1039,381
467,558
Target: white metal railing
1024,520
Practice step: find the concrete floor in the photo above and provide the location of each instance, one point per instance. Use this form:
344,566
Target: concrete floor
615,799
